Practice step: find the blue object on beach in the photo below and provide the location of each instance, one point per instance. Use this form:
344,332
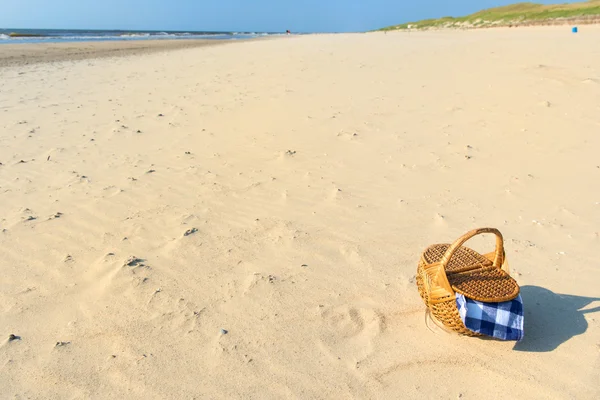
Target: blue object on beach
574,30
502,321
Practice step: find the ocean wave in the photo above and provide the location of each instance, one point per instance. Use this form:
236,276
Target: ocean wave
57,36
134,35
99,38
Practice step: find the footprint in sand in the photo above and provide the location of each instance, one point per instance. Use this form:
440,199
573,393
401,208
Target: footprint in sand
351,253
350,330
175,314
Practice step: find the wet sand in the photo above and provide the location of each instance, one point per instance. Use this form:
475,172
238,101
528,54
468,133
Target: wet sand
34,53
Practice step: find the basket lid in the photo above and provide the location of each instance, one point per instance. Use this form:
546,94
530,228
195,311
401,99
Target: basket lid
490,285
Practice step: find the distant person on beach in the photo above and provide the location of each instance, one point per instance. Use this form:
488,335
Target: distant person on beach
288,32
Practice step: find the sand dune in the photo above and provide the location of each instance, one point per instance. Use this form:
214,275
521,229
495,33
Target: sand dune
245,221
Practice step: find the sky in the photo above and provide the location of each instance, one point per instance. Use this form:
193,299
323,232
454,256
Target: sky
232,15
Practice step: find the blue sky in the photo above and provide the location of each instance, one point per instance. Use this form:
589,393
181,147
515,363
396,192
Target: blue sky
231,15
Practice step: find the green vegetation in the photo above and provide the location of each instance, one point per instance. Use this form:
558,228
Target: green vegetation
515,14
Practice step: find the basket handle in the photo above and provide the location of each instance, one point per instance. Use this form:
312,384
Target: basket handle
499,253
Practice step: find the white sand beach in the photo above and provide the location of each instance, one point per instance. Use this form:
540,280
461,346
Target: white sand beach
245,221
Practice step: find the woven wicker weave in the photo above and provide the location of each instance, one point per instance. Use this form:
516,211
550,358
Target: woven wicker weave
446,269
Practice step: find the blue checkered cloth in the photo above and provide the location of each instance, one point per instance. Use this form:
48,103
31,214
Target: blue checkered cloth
503,321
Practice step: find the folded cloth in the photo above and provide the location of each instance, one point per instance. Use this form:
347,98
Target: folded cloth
503,321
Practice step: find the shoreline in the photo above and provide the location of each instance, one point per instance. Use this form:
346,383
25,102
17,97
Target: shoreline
12,55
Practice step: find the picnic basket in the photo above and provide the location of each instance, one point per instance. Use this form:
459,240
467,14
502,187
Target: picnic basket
447,269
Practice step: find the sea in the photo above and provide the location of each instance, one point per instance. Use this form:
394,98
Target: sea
64,35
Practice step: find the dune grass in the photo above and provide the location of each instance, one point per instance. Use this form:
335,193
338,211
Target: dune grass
520,13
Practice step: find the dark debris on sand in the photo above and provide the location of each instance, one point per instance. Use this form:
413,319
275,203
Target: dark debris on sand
56,216
134,262
190,232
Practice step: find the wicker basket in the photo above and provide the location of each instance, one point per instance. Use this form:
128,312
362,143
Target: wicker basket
446,269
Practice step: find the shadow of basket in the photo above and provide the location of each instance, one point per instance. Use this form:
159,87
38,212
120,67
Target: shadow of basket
551,319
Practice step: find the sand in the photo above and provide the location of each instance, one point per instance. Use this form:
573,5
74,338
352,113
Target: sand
245,221
27,54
